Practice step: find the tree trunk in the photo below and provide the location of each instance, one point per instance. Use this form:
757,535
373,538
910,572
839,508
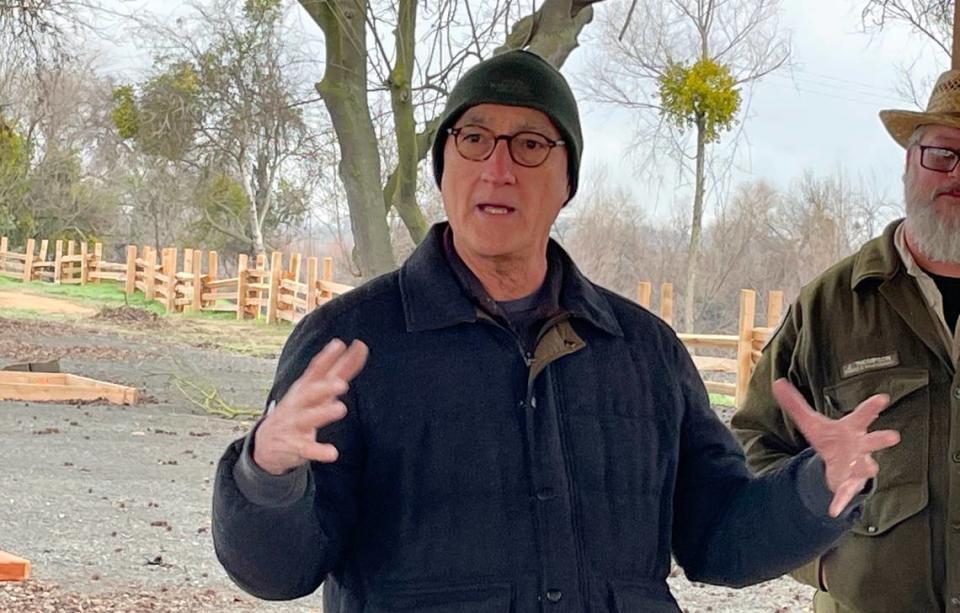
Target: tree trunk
344,91
693,252
556,27
248,180
404,190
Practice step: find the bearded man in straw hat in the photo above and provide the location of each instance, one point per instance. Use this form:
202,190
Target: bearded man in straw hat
884,320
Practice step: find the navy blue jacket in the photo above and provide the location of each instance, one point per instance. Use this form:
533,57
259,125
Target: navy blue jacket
474,477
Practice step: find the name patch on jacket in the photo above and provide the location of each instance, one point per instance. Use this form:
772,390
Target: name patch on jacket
868,364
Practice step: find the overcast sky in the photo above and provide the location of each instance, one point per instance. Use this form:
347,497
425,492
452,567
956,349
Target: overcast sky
819,116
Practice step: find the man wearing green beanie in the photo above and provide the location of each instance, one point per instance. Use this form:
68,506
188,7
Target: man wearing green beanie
516,438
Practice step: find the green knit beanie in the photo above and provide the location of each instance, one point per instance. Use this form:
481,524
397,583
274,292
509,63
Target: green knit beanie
516,78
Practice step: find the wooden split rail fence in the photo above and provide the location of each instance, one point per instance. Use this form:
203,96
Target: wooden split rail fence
745,346
269,289
177,279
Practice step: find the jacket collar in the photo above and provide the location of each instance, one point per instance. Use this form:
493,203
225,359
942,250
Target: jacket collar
878,258
434,299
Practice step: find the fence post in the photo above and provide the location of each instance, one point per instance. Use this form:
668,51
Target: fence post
197,283
748,307
97,259
58,262
170,270
211,274
644,290
28,260
130,282
241,286
187,260
295,267
150,273
327,275
44,244
84,271
261,267
774,307
666,303
3,253
311,284
273,299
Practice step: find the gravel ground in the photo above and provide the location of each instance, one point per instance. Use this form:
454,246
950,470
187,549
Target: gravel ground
112,504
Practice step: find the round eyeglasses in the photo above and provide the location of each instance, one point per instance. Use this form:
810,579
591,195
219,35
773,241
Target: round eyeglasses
476,143
938,159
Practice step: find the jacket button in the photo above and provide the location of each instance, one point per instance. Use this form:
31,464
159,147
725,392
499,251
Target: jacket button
871,529
956,456
955,602
956,393
554,596
545,493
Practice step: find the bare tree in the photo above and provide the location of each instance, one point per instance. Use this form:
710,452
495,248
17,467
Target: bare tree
686,65
931,18
228,100
358,68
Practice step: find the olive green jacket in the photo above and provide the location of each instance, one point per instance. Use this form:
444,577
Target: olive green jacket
863,328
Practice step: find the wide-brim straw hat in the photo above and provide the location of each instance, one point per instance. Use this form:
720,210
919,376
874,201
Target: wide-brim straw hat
943,109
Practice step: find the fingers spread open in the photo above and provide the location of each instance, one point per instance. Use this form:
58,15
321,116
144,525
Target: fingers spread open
881,439
867,411
318,416
320,452
845,493
321,363
796,406
351,361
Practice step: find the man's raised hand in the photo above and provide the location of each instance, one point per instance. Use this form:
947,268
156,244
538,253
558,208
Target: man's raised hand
843,444
287,438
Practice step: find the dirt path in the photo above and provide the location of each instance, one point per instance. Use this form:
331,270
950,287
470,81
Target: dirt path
31,302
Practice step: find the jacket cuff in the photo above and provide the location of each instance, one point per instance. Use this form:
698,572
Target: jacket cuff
816,496
262,488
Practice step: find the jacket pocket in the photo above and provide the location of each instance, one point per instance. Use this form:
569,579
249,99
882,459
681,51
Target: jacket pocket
642,598
901,484
485,598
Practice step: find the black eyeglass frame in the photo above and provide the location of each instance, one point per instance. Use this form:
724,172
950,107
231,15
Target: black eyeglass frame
551,144
923,154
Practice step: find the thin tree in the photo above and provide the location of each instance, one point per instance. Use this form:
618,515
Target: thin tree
686,66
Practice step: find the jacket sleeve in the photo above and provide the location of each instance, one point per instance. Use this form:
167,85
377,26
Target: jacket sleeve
768,436
731,527
279,536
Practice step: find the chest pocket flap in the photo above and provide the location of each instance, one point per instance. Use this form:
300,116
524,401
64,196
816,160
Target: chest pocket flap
901,484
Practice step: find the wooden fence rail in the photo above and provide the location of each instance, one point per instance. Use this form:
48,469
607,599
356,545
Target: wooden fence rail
177,278
271,290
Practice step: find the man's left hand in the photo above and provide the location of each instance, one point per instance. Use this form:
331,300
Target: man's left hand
843,444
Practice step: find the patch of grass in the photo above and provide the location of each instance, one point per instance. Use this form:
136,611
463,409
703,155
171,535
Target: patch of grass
721,400
13,313
219,329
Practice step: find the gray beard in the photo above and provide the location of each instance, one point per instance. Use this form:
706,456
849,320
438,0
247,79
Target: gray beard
937,238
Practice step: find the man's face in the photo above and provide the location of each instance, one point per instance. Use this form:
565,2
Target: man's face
497,208
933,198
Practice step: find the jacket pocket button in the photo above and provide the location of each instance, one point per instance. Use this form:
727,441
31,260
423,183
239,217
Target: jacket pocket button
956,457
871,529
554,596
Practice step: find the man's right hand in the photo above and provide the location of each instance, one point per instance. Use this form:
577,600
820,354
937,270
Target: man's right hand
287,438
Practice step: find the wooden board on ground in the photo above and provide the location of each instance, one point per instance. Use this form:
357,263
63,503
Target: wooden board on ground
13,568
61,387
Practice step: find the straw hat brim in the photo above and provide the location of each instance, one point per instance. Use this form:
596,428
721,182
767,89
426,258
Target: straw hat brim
902,124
